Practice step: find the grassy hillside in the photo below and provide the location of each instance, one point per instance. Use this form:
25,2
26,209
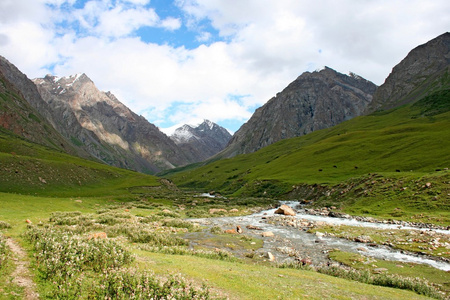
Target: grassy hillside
68,199
28,168
408,142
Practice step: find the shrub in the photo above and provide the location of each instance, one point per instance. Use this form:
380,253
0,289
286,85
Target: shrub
155,238
71,218
4,225
151,219
4,252
417,285
130,284
112,218
179,223
216,230
218,254
61,254
168,214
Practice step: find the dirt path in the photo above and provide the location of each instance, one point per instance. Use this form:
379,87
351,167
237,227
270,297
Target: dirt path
21,274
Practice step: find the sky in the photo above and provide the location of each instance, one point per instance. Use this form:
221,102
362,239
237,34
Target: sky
181,61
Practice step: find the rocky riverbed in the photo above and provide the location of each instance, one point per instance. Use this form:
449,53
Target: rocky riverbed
289,238
331,212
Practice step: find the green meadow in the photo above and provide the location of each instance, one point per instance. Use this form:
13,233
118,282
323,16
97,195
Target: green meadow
397,150
389,165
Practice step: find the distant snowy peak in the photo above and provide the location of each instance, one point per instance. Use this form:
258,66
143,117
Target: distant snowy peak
203,140
66,80
206,129
183,134
61,85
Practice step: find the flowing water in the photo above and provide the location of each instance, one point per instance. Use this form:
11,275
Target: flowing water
290,242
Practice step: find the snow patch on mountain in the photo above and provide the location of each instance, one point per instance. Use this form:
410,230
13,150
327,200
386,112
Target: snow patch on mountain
183,134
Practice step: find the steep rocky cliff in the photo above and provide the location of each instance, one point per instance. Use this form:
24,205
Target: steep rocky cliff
100,124
201,141
313,101
21,118
424,70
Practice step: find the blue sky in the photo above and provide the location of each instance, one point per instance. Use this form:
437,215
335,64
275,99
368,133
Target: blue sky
183,61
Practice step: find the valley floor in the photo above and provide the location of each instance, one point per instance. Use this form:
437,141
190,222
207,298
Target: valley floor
101,247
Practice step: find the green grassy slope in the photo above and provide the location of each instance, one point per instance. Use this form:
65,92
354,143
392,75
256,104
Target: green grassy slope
29,168
412,138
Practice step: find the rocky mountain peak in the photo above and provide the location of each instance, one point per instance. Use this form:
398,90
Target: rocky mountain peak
99,123
424,70
203,140
315,100
24,112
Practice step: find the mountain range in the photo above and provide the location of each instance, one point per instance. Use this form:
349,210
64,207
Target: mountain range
313,101
405,138
71,115
75,117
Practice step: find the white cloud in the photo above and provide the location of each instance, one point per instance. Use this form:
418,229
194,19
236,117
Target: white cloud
265,45
171,23
119,22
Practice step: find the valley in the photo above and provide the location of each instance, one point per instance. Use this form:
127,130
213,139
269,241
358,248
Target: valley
335,189
159,230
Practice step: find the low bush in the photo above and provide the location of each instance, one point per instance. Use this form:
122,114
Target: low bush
179,223
218,254
61,254
129,284
4,225
71,218
4,252
418,285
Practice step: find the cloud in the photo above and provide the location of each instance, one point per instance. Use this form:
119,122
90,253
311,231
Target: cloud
252,48
171,23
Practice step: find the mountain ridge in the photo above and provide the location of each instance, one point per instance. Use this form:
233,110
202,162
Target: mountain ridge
22,118
424,70
202,141
313,101
99,123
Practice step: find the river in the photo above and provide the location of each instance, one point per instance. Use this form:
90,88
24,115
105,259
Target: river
290,242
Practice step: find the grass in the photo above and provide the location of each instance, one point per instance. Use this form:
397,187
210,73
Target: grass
247,281
409,144
402,197
222,273
418,241
67,199
32,169
397,140
406,270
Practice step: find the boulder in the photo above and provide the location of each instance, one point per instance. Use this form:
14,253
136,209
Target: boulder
320,234
97,235
216,210
285,210
267,234
252,227
270,256
379,270
363,239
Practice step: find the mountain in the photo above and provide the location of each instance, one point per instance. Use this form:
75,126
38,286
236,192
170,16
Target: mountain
409,141
201,141
313,101
100,124
22,119
423,71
